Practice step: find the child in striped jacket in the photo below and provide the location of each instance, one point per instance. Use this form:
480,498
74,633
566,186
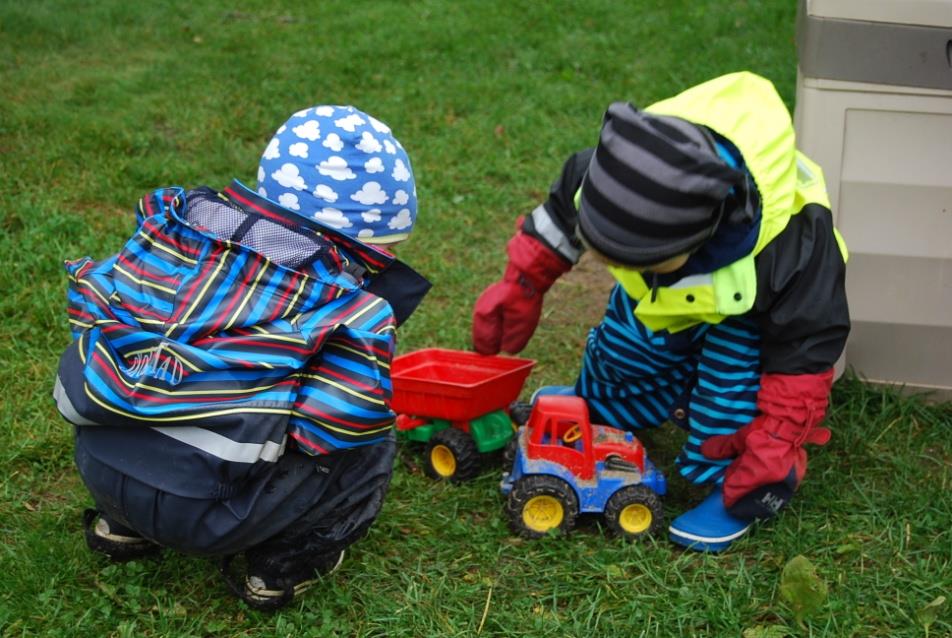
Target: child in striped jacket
730,307
229,375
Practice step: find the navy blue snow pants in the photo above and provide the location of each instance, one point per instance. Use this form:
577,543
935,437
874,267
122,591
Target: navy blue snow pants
302,506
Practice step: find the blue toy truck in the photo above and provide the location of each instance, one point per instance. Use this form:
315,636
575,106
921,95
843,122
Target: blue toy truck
563,466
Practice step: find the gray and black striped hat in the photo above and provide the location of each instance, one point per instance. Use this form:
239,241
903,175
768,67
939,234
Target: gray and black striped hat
655,187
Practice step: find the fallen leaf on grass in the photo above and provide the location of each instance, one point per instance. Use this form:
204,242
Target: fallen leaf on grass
614,571
802,588
930,613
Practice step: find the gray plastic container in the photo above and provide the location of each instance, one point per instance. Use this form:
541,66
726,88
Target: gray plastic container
874,109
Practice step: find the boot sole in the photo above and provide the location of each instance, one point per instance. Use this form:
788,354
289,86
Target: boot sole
264,595
704,543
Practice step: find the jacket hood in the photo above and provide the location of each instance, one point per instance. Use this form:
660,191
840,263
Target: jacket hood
746,109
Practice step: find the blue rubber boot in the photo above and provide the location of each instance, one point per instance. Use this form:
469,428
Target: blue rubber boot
708,527
559,390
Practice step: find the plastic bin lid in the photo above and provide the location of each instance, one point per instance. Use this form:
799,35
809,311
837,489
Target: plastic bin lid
928,13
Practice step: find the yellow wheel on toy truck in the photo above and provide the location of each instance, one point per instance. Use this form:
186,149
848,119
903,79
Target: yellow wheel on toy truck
443,461
543,513
635,518
540,504
451,455
633,511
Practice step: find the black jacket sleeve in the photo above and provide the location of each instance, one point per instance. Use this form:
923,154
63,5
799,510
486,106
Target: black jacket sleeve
801,296
560,204
402,287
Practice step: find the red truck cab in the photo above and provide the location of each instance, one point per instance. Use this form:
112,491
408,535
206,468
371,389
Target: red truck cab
559,430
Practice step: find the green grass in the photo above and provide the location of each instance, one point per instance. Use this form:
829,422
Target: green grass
103,101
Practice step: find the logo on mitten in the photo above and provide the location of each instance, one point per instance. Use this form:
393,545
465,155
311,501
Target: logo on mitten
772,502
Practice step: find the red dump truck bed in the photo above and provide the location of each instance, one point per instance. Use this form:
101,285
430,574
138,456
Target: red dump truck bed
454,384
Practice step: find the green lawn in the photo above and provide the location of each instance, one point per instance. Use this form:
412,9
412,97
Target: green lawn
103,101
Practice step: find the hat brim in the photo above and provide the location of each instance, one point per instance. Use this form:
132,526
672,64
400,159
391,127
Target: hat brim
629,249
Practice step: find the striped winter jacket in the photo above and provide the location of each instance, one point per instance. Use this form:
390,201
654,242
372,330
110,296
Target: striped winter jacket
225,325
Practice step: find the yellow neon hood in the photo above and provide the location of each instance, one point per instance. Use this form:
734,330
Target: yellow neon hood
746,109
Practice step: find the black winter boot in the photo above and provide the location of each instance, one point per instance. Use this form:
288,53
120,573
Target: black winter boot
116,541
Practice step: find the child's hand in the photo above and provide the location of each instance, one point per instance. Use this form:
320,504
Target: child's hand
507,313
770,459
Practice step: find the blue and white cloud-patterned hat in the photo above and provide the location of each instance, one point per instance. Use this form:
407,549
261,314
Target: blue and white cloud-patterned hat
345,169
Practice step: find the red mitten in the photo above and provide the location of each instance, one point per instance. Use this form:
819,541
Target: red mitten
507,312
770,460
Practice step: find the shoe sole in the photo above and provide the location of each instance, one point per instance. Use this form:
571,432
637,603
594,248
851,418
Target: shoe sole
704,543
101,530
263,594
119,548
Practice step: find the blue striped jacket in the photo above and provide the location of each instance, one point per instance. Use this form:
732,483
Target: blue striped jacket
225,325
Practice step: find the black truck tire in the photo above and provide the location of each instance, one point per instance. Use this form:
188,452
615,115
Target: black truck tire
541,504
451,455
633,512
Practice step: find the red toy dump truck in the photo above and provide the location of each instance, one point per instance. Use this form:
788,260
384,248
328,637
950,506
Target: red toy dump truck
455,402
563,466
